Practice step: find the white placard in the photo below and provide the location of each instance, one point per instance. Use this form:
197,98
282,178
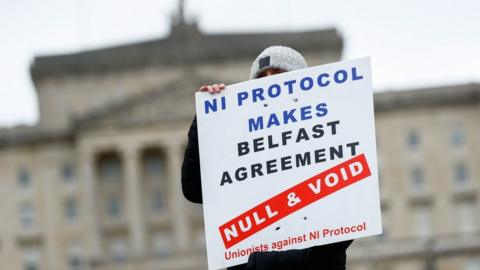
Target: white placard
289,161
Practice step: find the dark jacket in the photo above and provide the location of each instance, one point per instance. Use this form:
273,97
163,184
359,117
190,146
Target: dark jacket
327,257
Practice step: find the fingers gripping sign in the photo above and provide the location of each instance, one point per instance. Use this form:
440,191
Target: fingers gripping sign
212,89
293,199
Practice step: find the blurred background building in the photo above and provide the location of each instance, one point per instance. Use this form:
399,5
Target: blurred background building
96,183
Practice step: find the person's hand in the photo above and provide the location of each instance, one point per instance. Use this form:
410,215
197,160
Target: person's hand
213,89
331,256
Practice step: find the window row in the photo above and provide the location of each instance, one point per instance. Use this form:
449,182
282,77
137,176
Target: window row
114,209
117,250
114,205
457,138
28,215
24,177
464,216
461,177
109,169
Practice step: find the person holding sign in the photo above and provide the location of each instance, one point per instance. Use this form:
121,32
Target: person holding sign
273,60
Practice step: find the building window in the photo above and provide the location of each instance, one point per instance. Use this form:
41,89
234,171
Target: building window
417,179
472,264
154,184
70,209
27,216
385,225
461,175
23,177
466,216
118,250
68,173
114,207
152,165
162,245
422,219
31,259
157,202
413,140
31,266
74,258
110,169
74,262
457,136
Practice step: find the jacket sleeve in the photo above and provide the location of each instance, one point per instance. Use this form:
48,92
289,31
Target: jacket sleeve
191,180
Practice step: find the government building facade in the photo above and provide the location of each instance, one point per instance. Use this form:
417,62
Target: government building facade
96,183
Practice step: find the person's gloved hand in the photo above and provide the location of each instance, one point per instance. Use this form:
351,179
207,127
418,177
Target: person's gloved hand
327,257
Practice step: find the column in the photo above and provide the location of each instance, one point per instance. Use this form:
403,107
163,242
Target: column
91,206
52,209
181,232
134,197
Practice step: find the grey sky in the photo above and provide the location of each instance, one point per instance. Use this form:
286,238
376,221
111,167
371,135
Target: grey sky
412,43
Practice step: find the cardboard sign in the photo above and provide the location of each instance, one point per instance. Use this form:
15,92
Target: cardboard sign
289,162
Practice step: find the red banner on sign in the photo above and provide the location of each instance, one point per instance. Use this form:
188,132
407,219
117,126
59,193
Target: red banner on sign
294,199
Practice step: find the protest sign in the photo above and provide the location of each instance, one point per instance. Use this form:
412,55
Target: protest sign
289,162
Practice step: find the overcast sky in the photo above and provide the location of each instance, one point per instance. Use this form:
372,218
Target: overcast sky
412,43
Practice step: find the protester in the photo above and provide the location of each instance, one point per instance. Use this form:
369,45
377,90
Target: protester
273,60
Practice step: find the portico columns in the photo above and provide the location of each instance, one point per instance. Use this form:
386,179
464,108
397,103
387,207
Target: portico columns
87,164
179,216
134,197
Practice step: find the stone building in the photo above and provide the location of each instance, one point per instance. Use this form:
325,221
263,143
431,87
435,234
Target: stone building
96,183
428,145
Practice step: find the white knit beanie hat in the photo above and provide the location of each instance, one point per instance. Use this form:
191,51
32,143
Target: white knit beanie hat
280,57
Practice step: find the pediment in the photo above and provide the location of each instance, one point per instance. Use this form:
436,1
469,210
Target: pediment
171,103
